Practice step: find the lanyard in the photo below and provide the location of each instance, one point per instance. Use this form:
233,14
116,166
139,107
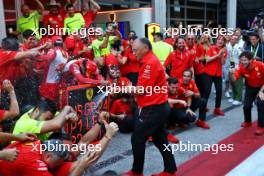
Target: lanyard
256,50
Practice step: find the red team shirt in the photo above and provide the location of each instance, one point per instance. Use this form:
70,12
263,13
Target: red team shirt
132,64
170,41
199,67
58,18
120,107
89,17
179,61
179,93
214,68
10,69
254,76
151,74
2,113
28,162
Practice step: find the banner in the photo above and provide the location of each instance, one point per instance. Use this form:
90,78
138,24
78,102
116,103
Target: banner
87,102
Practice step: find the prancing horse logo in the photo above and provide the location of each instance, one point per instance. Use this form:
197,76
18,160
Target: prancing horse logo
89,94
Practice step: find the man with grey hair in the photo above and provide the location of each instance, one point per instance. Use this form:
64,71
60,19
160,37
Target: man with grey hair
152,99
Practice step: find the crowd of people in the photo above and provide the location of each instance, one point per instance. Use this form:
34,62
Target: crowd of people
35,73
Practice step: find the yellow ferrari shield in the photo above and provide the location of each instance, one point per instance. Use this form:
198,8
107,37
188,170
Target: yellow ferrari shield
150,29
89,94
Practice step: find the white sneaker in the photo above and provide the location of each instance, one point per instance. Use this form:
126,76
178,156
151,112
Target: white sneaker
230,100
227,94
236,103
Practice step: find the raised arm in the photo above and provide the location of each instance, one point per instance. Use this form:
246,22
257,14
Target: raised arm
14,108
58,121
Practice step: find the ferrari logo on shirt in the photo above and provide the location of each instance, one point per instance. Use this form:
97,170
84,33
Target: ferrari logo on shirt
257,69
146,73
89,94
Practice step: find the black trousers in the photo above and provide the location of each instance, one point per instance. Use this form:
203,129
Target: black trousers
179,115
260,108
133,77
209,80
250,96
151,122
126,125
200,82
199,103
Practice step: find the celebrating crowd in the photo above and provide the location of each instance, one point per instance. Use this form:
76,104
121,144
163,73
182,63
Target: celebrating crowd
36,71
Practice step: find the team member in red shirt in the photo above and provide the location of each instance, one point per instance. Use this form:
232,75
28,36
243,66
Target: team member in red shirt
180,112
30,161
14,109
54,20
179,60
196,102
154,109
54,62
116,78
89,12
10,154
215,58
85,72
199,63
253,71
129,64
121,113
10,60
77,48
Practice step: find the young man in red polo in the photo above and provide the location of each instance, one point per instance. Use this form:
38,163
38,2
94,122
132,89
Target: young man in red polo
196,102
253,71
153,110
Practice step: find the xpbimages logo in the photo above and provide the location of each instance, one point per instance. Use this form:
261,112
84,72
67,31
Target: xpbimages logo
198,30
51,146
191,147
147,90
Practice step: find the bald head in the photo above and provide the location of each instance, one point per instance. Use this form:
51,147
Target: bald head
141,47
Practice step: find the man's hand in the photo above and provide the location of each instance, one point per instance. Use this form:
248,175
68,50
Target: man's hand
26,137
8,86
111,129
232,70
261,95
189,111
188,93
121,116
103,116
9,154
72,116
184,103
90,158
